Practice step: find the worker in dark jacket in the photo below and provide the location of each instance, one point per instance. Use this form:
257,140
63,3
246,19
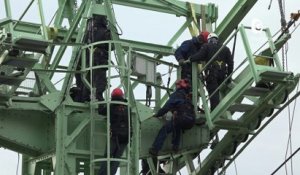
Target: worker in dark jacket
97,30
187,49
180,104
219,68
119,125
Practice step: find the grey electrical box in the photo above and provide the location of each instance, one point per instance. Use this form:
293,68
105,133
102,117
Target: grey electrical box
142,65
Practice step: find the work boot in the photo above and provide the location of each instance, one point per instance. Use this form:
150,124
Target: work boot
175,148
153,152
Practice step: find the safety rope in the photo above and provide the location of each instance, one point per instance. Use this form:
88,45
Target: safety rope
235,168
283,27
148,95
282,15
269,7
169,78
283,57
286,51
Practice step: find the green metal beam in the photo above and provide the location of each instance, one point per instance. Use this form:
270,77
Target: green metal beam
5,21
33,136
61,135
76,50
135,118
68,37
178,8
233,18
60,13
23,14
147,47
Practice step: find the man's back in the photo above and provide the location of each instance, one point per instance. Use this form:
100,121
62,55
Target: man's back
187,48
119,119
207,52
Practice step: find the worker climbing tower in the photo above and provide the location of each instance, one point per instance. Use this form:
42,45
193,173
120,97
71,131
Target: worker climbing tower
58,133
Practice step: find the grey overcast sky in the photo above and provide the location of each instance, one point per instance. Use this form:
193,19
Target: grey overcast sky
268,150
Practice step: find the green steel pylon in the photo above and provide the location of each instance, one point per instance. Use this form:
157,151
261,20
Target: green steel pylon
56,134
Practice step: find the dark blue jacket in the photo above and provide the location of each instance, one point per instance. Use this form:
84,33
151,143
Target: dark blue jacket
188,48
176,99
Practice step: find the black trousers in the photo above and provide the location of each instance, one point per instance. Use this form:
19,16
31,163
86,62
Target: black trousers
213,81
100,57
116,150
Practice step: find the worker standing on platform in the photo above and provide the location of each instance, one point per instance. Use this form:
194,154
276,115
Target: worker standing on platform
97,30
180,104
218,70
187,49
119,126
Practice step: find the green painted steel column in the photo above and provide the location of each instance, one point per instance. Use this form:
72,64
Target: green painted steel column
134,168
59,15
205,105
81,14
68,36
41,12
61,134
233,18
195,86
273,50
249,53
8,13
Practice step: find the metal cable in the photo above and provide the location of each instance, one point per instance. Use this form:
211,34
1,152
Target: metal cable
117,25
269,7
285,161
235,168
289,139
52,18
286,51
18,164
289,143
283,57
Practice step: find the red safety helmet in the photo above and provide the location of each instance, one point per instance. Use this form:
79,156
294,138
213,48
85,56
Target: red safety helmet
182,84
117,92
204,35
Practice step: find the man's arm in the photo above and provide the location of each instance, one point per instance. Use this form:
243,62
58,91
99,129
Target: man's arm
170,104
200,55
182,51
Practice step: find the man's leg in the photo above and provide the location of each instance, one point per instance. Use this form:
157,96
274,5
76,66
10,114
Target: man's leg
212,85
117,154
86,93
161,137
113,148
99,74
176,137
100,82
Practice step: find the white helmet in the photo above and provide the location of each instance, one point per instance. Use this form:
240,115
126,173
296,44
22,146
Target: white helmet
212,35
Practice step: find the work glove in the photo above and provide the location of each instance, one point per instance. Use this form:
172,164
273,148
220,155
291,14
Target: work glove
187,61
181,62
